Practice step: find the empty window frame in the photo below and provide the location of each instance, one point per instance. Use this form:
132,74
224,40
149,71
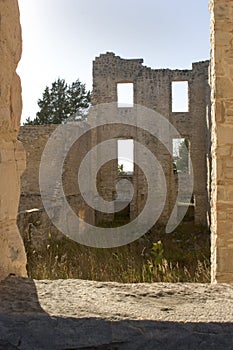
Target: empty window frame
180,100
181,155
125,156
125,96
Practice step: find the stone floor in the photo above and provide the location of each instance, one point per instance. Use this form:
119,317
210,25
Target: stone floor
87,315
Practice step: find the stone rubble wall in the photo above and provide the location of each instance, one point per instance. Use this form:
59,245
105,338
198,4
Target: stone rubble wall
12,155
152,89
34,139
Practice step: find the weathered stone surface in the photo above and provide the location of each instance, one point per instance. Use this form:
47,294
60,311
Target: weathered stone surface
87,315
222,139
153,89
12,156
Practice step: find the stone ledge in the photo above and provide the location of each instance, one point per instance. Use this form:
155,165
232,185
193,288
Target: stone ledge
78,314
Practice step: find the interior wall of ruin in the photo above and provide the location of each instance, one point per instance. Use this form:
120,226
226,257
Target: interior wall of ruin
222,140
34,139
12,156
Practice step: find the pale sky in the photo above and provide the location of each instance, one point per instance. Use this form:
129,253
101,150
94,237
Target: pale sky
61,38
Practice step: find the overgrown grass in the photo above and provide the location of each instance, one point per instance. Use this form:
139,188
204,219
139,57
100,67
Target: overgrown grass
181,256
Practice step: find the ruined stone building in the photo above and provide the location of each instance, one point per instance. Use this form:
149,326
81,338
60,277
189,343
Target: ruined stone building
153,89
150,88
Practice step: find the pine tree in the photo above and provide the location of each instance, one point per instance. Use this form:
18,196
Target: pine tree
62,102
79,100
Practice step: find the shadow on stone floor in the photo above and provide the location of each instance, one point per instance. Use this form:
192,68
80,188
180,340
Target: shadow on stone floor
25,325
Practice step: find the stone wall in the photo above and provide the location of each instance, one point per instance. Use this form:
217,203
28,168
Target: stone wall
12,156
153,89
222,139
34,139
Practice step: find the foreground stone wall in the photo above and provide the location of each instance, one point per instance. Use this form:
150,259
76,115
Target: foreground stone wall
12,156
222,139
60,314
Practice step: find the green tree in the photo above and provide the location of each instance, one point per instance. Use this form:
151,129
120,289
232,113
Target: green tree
61,102
79,100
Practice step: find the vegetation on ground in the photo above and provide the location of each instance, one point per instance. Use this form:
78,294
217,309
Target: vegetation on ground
181,256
